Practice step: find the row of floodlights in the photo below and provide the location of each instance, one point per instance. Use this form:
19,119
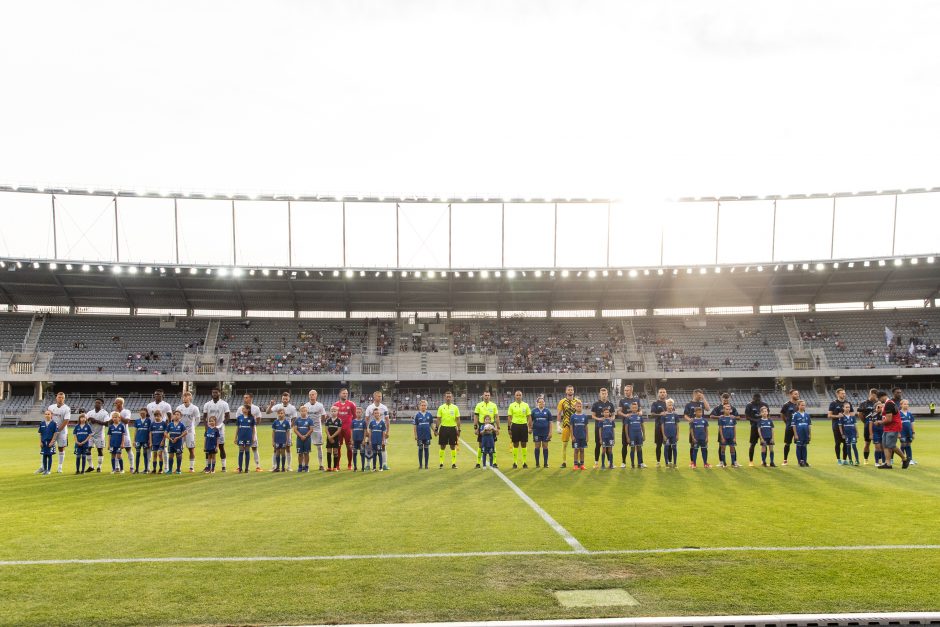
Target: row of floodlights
237,272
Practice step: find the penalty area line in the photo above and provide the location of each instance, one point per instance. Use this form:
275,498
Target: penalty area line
395,556
554,524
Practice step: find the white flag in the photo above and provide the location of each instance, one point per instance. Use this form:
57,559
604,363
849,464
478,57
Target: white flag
889,336
910,349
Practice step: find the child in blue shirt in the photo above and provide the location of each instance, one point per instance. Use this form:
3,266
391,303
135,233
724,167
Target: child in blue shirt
849,432
47,436
765,430
541,431
699,430
907,430
727,431
82,435
487,441
116,432
157,438
422,422
607,440
377,433
244,437
176,432
142,441
579,423
669,422
801,423
633,425
280,432
211,447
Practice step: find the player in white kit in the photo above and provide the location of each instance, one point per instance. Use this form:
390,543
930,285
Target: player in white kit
190,419
218,409
125,415
98,419
165,409
61,414
290,414
256,412
316,412
383,412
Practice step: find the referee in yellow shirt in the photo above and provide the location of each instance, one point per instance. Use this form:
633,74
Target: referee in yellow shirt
565,411
485,408
520,426
447,428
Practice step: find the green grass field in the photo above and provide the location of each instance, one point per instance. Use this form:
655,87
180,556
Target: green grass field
407,511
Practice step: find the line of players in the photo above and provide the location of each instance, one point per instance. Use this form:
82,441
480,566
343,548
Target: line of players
161,433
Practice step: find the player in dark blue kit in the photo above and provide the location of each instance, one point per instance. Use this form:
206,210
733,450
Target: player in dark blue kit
303,430
657,411
728,437
801,424
698,400
786,414
670,431
835,415
597,410
579,429
280,433
116,432
142,441
82,435
849,431
47,436
699,430
176,435
378,430
865,414
358,427
157,439
211,446
244,437
765,429
633,427
876,432
422,422
753,413
541,431
907,430
607,441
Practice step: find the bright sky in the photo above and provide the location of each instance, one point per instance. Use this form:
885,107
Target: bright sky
641,99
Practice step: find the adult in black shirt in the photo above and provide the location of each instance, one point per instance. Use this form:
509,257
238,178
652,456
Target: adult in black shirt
698,400
598,410
657,410
752,411
718,411
786,413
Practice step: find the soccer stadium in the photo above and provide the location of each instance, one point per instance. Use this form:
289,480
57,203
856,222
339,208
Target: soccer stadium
666,377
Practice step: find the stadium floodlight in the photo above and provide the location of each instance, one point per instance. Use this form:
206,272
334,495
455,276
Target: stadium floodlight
633,274
659,272
851,264
899,262
68,266
498,274
760,268
538,274
470,274
85,267
820,266
306,272
914,261
776,267
675,272
689,270
53,265
733,268
100,268
193,270
349,274
389,273
866,264
417,274
592,274
116,269
835,266
148,270
335,273
237,272
36,265
552,273
717,270
929,259
3,264
881,263
511,274
280,273
362,273
620,272
702,270
604,273
132,270
484,274
178,270
564,274
790,266
805,266
457,274
265,272
404,273
646,272
223,272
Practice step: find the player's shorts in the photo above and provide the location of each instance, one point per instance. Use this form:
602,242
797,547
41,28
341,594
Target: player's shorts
731,442
190,440
802,435
658,435
116,450
140,444
701,443
127,440
303,446
221,429
769,440
62,439
607,442
851,438
541,437
357,445
836,433
755,433
889,439
212,450
244,442
424,441
671,439
579,443
566,434
637,438
518,433
447,436
866,434
97,441
82,450
378,448
788,434
316,438
907,436
337,440
877,435
156,447
175,447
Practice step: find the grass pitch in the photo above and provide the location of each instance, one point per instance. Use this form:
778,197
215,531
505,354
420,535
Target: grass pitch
407,511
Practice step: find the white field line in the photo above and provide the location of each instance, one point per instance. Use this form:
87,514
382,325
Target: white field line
554,524
395,556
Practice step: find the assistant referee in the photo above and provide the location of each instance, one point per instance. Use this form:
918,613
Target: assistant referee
447,428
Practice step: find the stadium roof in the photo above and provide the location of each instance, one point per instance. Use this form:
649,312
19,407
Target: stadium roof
330,289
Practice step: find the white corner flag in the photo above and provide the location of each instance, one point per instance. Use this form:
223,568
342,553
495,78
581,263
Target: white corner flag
889,336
